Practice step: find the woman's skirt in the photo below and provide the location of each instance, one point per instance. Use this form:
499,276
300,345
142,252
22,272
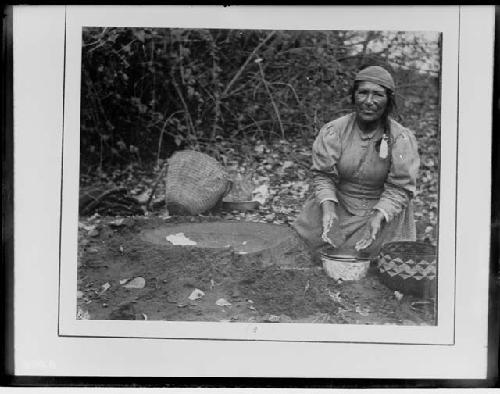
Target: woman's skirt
349,229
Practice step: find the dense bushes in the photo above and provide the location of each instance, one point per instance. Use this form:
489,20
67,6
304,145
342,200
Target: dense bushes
146,92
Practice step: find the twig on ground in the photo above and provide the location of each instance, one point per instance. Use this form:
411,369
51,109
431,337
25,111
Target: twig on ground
97,200
155,184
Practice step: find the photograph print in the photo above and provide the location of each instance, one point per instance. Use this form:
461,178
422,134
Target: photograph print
259,176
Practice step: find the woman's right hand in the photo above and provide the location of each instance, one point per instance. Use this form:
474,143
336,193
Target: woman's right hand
329,216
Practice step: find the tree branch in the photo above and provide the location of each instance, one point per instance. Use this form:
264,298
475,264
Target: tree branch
243,66
275,107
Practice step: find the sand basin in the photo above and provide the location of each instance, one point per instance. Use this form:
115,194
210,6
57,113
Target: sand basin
270,242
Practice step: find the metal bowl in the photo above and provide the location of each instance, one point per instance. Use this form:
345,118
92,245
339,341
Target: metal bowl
343,265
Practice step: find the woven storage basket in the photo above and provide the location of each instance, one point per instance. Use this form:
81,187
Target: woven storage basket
195,183
409,267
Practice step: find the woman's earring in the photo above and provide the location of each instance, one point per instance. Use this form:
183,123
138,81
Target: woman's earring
384,147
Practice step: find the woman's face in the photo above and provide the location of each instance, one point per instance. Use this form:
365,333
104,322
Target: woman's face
370,101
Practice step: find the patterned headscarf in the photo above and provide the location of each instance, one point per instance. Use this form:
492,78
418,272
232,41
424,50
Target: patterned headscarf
378,75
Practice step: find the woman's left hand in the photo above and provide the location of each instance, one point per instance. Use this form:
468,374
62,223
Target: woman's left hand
375,224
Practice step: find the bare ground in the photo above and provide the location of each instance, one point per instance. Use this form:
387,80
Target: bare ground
111,254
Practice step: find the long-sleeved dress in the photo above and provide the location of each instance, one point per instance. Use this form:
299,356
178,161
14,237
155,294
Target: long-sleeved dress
347,168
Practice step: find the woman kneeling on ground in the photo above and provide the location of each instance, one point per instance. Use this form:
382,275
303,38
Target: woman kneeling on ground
365,166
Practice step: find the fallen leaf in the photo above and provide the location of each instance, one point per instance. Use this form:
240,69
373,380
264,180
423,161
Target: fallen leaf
94,216
271,318
259,148
398,295
287,164
419,305
136,283
143,198
361,311
93,233
165,215
104,287
321,318
82,314
196,295
222,302
123,281
180,239
117,222
335,296
86,227
261,193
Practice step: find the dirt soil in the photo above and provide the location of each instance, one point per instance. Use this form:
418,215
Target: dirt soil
111,254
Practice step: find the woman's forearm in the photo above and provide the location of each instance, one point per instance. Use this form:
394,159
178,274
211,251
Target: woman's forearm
392,201
324,187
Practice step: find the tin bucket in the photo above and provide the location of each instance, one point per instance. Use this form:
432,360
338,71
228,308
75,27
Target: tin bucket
344,266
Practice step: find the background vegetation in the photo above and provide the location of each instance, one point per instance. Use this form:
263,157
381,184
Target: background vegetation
253,99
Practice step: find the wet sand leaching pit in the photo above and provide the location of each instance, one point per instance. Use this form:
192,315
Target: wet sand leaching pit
241,236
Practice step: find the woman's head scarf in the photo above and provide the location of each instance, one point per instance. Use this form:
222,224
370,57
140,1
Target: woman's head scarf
378,75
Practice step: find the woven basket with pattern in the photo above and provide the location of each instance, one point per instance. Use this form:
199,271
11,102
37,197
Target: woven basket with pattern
195,183
409,267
